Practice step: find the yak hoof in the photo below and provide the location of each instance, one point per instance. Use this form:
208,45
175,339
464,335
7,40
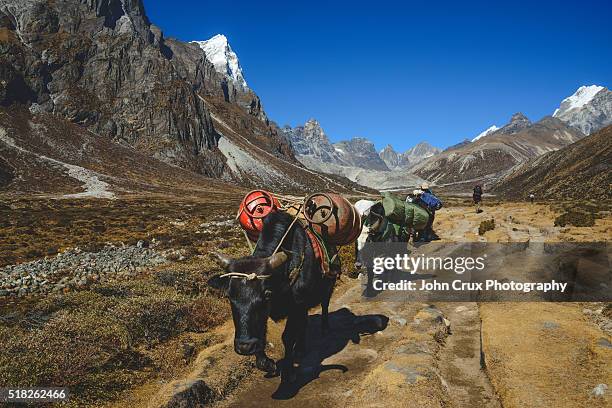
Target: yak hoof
266,364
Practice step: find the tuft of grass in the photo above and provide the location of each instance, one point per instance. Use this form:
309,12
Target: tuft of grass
575,218
486,225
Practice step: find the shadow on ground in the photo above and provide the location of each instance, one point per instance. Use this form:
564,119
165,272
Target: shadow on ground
344,327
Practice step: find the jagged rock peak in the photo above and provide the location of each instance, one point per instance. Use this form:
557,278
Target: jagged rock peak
519,117
220,54
588,109
518,122
389,156
310,140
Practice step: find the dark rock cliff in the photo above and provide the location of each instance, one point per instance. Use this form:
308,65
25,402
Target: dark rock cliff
103,65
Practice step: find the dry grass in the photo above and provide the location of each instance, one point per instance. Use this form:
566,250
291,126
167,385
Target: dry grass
581,213
31,229
115,335
104,340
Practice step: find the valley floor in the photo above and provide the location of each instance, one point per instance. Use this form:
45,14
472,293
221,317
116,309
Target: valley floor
162,338
447,354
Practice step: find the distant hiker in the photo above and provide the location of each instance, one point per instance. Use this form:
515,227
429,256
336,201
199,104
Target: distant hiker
531,197
426,199
477,197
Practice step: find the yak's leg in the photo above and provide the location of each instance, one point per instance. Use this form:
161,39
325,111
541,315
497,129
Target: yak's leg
328,289
295,331
264,363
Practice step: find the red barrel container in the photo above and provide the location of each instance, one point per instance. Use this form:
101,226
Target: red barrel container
255,206
333,217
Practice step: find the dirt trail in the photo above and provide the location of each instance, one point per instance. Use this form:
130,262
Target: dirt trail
415,361
468,383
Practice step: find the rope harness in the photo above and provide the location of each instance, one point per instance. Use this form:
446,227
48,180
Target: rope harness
326,255
247,276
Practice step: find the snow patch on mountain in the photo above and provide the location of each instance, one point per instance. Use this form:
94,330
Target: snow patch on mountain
486,132
588,109
581,97
224,59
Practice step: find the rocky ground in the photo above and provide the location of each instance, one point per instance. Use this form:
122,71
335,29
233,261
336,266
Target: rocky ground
76,269
440,355
144,329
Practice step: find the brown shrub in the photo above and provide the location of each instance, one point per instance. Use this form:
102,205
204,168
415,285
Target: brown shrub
67,348
486,225
207,312
575,218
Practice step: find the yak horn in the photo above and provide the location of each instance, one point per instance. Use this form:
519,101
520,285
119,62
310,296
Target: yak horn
224,261
277,260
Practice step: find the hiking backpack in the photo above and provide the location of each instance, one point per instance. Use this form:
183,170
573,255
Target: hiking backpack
431,201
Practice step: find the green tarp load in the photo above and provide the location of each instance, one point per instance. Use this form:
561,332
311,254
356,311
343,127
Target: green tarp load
416,216
405,214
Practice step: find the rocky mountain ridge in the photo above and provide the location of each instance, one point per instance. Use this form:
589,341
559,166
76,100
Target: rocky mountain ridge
102,65
311,140
491,157
588,109
357,158
409,158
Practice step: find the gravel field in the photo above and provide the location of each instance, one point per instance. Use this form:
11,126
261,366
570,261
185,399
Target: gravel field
77,269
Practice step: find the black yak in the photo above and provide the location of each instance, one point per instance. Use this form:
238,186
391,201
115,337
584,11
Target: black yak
277,285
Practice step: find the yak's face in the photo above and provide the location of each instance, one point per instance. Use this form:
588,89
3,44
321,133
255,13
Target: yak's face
374,219
250,293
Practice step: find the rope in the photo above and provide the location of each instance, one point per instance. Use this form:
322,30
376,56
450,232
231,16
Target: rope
248,241
247,276
286,232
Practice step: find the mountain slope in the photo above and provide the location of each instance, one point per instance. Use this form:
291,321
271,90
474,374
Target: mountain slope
102,65
578,171
52,156
588,109
490,157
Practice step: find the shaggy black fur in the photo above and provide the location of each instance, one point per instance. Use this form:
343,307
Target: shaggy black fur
253,301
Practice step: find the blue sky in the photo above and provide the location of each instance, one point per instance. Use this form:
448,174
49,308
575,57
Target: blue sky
402,72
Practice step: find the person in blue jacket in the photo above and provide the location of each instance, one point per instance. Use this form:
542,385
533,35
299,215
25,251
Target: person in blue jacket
428,233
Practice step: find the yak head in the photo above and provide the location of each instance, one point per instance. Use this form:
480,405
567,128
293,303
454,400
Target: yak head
248,282
373,222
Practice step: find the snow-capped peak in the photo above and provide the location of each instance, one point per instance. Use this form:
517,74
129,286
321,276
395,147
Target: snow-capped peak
581,97
225,60
486,132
